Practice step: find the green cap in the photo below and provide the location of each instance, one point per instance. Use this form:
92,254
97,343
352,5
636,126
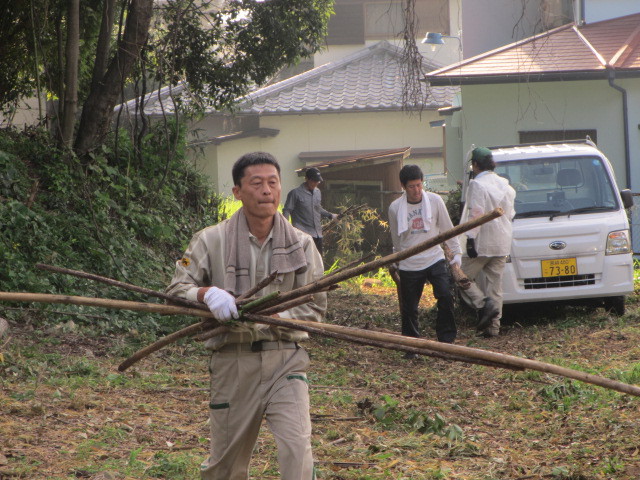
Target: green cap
479,153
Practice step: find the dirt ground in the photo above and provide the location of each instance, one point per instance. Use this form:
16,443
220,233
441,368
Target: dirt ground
92,422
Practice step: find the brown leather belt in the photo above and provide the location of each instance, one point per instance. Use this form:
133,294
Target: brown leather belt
259,346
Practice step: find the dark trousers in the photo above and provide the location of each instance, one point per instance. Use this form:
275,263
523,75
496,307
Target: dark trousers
411,287
318,242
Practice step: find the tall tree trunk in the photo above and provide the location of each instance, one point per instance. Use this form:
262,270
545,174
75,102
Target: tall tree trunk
98,109
104,43
72,55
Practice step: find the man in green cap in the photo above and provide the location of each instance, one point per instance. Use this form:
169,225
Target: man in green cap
488,245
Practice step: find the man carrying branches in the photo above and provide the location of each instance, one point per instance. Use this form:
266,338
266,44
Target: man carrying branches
304,205
256,370
413,218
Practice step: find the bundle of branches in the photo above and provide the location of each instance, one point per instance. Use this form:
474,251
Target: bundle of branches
330,225
258,310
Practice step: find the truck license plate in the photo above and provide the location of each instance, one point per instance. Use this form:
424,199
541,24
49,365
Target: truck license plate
559,267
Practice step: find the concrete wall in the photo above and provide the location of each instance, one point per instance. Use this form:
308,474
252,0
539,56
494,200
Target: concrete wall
494,114
442,55
597,10
26,114
324,132
489,24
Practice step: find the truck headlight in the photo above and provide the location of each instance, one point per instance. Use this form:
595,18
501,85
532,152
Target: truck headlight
618,242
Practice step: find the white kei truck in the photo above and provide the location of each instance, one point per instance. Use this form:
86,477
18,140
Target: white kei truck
571,239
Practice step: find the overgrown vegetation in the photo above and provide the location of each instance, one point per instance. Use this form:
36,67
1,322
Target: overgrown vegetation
117,213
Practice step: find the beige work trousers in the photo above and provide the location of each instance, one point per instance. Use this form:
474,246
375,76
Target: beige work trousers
247,386
492,268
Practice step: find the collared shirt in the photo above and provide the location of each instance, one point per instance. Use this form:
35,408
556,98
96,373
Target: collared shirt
485,192
203,265
304,207
419,232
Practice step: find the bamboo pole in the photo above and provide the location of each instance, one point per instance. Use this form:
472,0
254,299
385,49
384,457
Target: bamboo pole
458,275
105,303
119,284
257,287
468,352
395,341
389,259
313,287
174,337
350,265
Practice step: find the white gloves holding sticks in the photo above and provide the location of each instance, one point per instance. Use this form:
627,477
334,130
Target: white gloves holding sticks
221,303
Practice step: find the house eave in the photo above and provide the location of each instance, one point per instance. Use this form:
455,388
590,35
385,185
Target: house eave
257,132
346,163
271,113
529,77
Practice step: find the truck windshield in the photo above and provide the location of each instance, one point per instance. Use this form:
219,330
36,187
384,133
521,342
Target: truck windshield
559,186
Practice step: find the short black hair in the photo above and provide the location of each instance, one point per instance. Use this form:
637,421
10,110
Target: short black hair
410,172
250,159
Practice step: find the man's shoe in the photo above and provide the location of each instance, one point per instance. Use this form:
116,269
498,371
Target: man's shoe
487,313
410,356
489,332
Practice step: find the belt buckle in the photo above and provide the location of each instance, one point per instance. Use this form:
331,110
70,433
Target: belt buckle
256,346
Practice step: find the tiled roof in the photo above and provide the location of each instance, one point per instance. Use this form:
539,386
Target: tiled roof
369,79
569,52
158,102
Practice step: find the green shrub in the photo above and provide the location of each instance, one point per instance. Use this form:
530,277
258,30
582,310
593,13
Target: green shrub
120,212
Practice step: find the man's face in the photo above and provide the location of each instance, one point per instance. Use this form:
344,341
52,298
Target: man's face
414,190
259,190
312,184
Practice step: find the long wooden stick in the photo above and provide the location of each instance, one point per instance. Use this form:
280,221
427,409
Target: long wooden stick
154,347
475,353
458,275
312,287
323,328
350,264
105,303
257,287
389,259
119,284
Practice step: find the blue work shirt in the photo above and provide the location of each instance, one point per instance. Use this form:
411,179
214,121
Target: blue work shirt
304,207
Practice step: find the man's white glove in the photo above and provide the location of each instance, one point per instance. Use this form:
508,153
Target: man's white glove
221,303
456,260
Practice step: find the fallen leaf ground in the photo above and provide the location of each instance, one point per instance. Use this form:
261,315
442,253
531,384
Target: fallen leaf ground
65,411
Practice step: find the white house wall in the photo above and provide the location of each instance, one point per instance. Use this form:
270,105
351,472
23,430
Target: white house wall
633,92
489,24
27,114
324,132
494,114
597,10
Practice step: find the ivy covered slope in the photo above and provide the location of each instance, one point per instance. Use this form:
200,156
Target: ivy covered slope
123,212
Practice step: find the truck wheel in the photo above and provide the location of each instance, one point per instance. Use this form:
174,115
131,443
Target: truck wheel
614,305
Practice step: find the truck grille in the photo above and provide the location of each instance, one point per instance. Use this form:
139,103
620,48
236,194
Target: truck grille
563,281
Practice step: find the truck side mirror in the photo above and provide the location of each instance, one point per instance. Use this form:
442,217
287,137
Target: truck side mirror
627,198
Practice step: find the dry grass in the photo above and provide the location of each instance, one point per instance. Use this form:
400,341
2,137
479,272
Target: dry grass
66,413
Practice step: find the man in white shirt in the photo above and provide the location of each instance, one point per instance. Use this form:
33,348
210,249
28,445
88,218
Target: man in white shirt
487,246
413,218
